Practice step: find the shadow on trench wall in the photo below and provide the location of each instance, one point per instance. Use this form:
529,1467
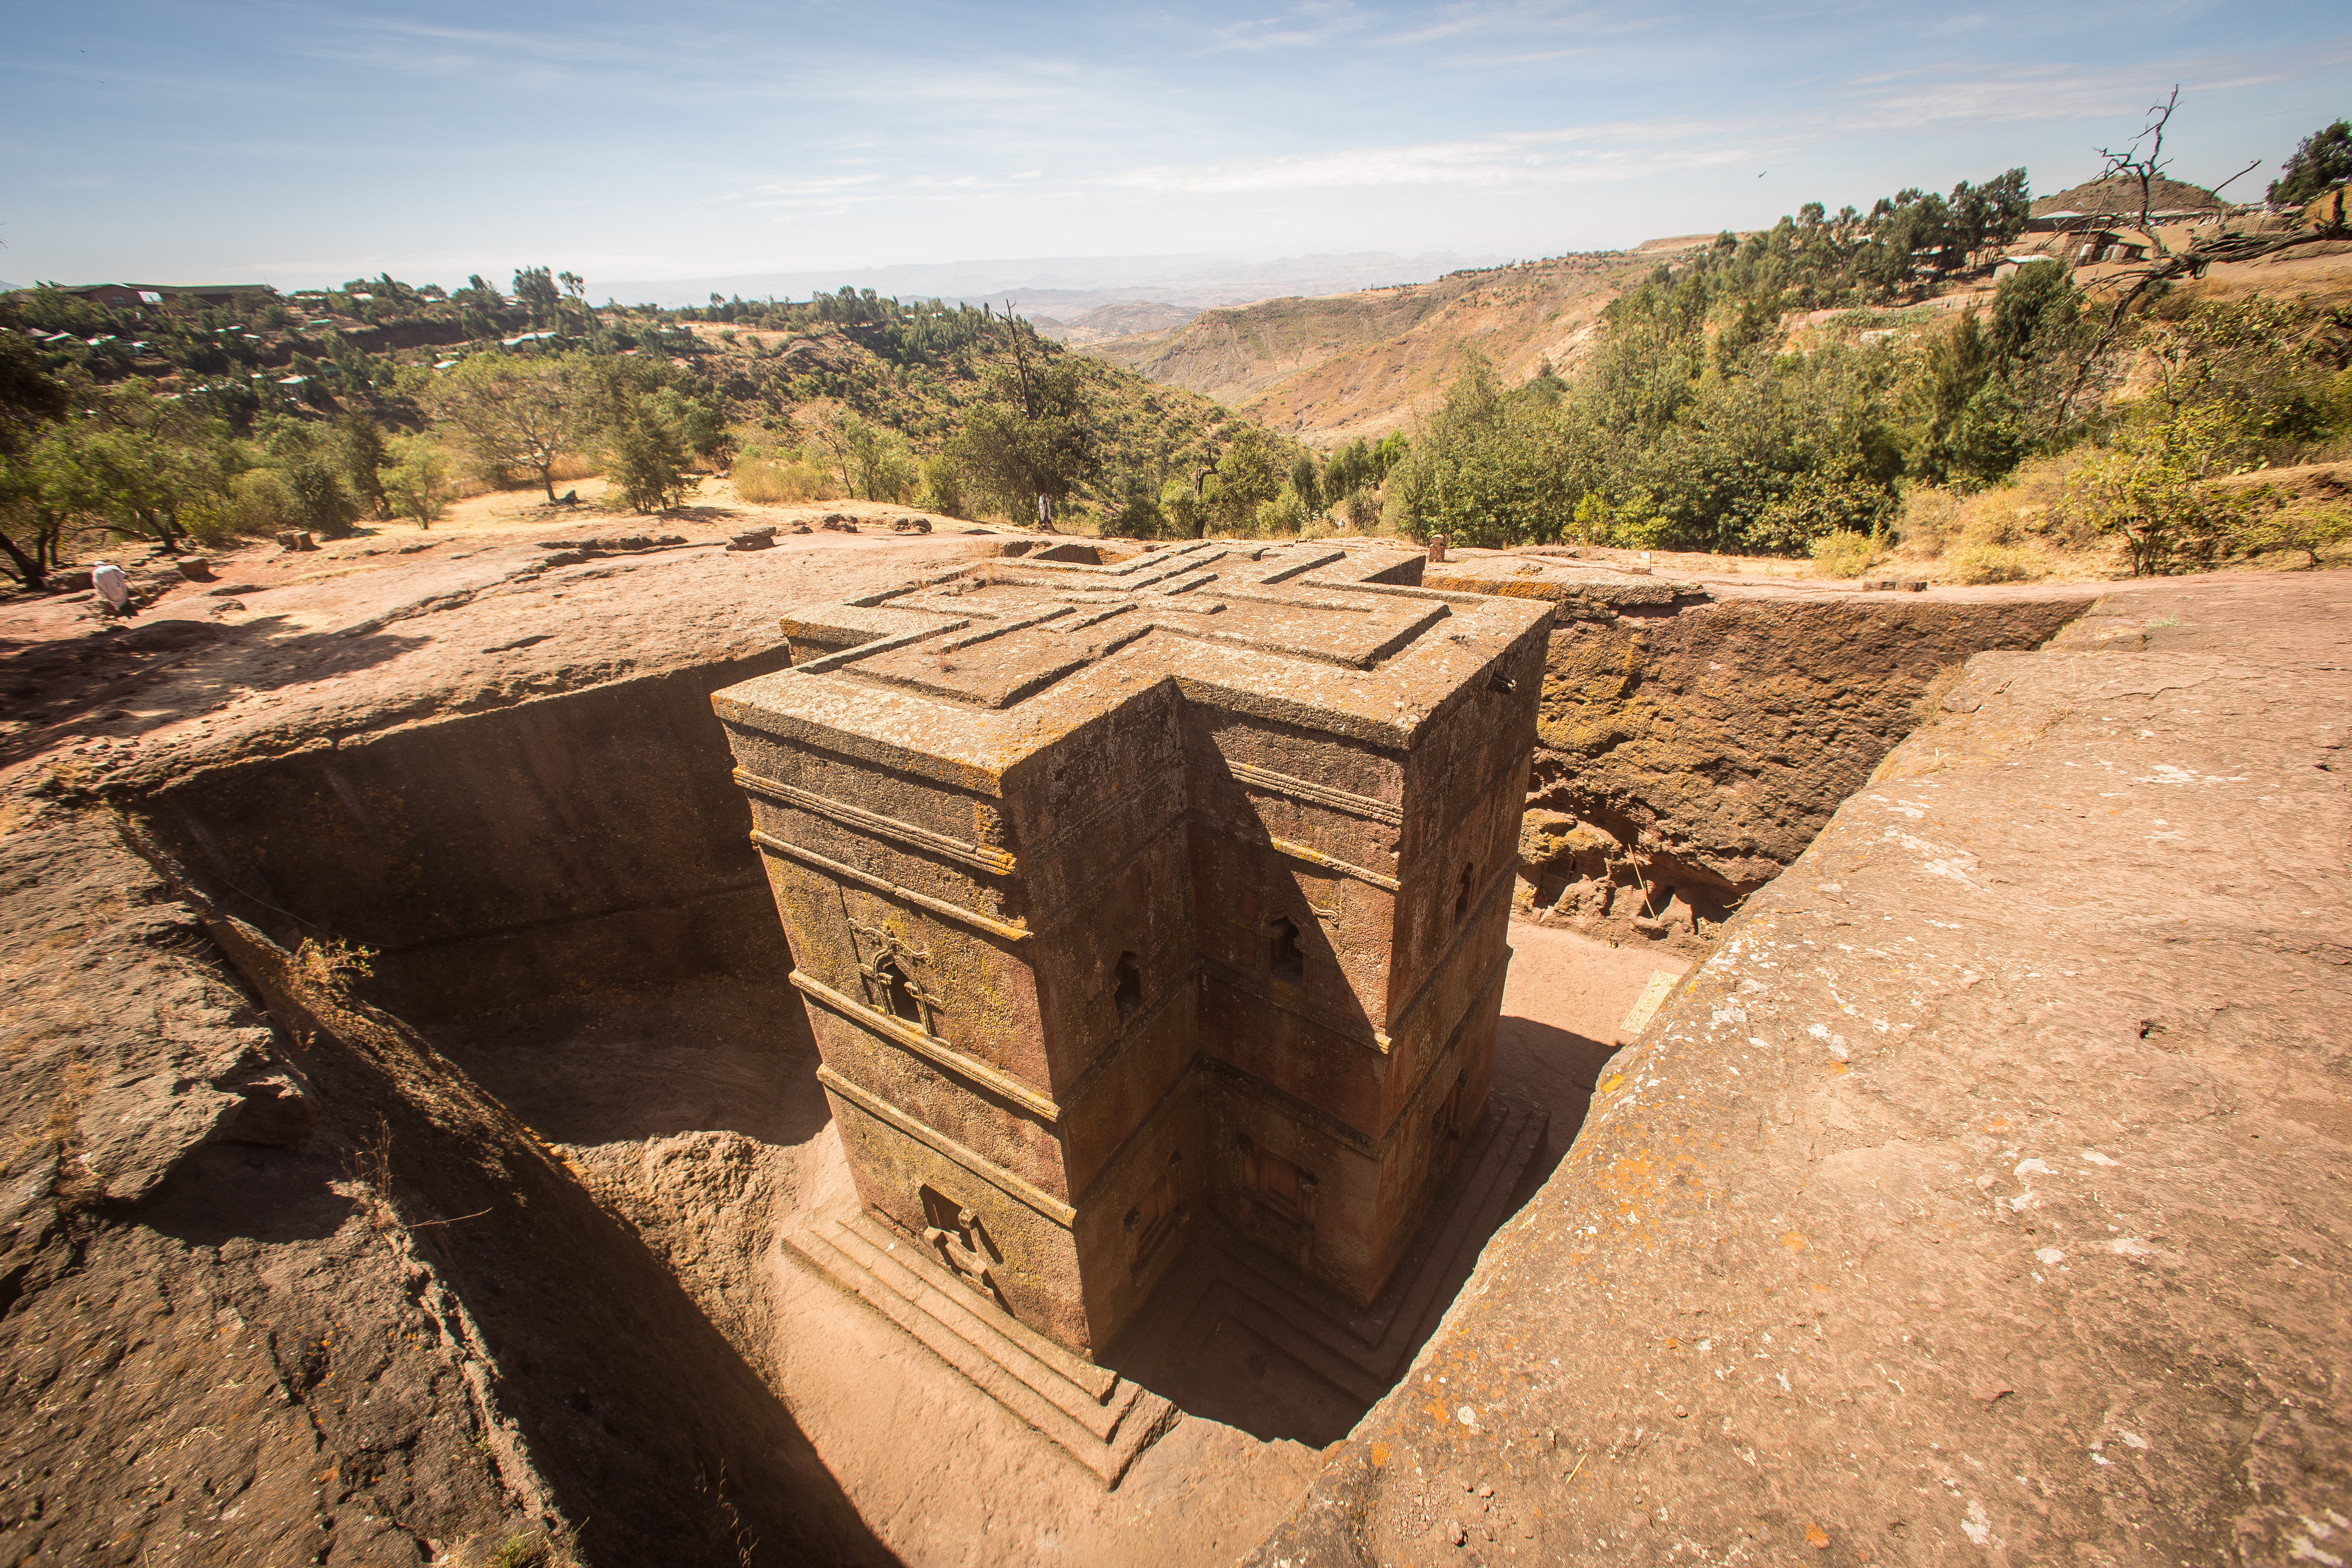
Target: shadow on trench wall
589,848
659,1442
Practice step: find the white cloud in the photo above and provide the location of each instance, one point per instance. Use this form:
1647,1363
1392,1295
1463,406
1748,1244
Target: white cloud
1567,156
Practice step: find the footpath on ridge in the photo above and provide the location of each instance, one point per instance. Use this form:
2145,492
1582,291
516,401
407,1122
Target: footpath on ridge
1984,1198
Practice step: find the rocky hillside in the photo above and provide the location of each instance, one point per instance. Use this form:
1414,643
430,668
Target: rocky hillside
1136,316
1333,369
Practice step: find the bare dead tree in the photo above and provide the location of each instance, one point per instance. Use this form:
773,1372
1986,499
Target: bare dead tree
2143,169
2163,264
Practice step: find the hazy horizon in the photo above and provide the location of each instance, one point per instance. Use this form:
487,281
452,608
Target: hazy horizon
299,145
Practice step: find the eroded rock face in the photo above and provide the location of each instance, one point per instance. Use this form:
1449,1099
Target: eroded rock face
1684,756
218,1347
1985,1198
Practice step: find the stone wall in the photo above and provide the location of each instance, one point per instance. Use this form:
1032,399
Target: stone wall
1685,754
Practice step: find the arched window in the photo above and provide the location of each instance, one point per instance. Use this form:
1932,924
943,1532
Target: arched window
1284,956
898,994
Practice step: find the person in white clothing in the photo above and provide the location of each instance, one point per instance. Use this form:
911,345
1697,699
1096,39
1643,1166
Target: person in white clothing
113,587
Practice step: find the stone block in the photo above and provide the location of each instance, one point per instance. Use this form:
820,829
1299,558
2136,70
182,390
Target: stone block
1128,893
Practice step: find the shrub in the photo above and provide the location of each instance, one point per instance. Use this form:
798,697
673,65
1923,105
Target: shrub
2307,529
1931,515
943,487
417,484
1184,512
1982,564
2152,490
649,466
1284,514
333,965
1815,506
1843,553
323,504
256,505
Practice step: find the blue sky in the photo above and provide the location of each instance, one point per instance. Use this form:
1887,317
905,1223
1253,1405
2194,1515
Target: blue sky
300,143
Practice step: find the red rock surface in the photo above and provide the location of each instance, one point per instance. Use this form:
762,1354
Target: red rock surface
1985,1197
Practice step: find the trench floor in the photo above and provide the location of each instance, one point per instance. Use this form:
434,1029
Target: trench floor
697,1114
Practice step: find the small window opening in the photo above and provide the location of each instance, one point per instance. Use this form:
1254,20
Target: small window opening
1150,1223
1127,986
1286,958
897,993
1461,893
1447,1122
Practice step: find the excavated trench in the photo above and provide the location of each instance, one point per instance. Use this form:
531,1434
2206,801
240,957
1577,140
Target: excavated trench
594,1091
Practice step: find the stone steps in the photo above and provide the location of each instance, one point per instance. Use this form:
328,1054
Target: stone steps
1360,1351
1100,1419
1105,1416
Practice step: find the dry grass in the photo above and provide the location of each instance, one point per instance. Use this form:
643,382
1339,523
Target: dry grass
1843,553
333,965
766,482
2019,531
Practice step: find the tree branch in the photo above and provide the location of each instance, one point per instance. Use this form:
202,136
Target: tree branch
2221,249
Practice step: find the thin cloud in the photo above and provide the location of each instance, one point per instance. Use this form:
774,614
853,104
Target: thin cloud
1501,61
1527,158
1957,92
1302,27
1538,17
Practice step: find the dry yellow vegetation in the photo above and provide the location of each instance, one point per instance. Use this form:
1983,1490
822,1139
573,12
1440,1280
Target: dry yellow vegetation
1330,370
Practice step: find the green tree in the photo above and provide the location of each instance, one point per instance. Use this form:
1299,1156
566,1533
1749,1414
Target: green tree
1137,513
943,487
647,463
2259,359
575,289
511,413
31,402
360,453
535,290
1349,470
1181,505
1286,514
1490,467
151,458
2322,161
873,462
1307,482
323,501
418,483
1033,440
1248,475
44,486
2152,488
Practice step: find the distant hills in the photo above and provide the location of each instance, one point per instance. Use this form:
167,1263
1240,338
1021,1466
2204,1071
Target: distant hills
1065,288
1328,370
1115,322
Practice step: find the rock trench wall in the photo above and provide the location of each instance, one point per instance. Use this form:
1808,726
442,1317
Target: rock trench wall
582,843
1685,756
594,843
